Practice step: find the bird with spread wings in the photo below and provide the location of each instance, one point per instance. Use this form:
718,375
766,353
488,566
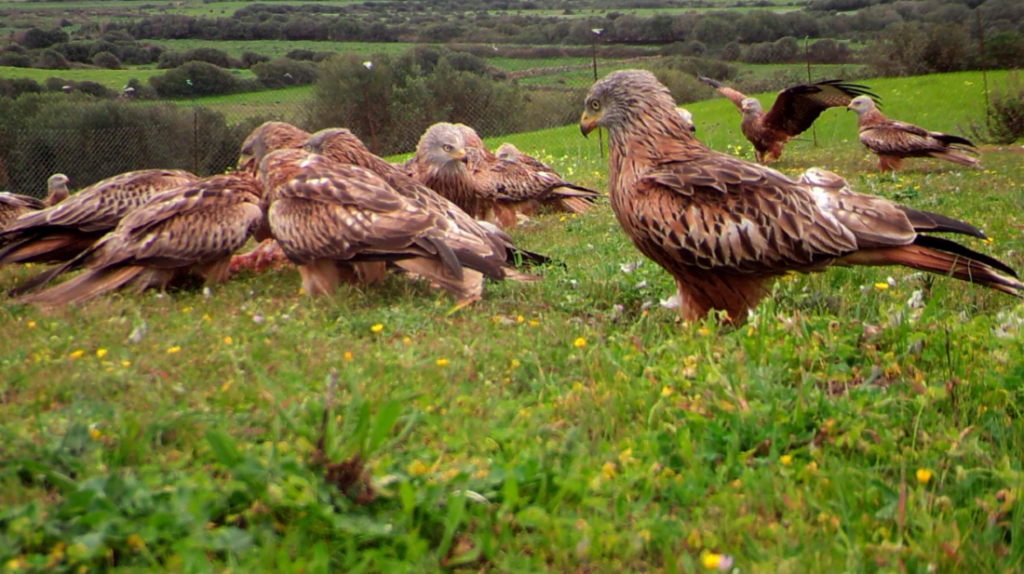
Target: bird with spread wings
451,160
892,140
190,231
330,217
794,111
724,227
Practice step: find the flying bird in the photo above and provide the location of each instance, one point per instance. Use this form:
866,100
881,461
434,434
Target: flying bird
724,227
449,161
190,231
892,141
793,112
329,216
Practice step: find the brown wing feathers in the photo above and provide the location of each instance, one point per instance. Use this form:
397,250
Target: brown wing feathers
796,108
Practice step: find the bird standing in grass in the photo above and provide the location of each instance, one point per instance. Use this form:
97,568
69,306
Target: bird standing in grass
188,231
892,141
724,227
794,111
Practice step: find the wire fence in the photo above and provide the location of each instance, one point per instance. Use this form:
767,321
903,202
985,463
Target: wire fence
89,139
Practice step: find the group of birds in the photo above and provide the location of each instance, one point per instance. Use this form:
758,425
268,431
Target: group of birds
796,108
721,226
322,201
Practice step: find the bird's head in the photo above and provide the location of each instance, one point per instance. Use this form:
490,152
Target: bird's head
508,152
279,166
687,117
750,105
56,188
822,178
622,98
268,137
338,144
861,104
443,145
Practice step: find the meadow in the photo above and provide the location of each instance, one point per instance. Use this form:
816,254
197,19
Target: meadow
862,420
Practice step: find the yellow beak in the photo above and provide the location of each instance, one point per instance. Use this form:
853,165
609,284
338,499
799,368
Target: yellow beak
459,154
588,123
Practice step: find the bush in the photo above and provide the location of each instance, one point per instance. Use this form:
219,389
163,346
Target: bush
15,87
195,79
49,133
1005,51
685,87
300,55
106,60
15,60
283,72
213,56
250,59
1004,119
52,60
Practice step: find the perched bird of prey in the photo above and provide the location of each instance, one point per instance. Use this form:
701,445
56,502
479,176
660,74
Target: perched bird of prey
724,227
268,136
56,189
190,231
793,112
509,152
329,216
892,140
687,119
449,161
60,233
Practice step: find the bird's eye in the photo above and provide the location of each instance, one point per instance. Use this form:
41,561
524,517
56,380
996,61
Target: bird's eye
447,147
595,105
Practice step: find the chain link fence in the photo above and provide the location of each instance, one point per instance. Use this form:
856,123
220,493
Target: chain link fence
88,138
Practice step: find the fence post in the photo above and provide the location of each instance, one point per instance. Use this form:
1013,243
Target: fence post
195,141
600,132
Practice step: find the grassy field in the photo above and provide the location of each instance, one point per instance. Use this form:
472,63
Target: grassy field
275,48
113,79
571,425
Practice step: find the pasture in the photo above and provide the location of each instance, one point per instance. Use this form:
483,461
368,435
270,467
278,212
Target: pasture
863,420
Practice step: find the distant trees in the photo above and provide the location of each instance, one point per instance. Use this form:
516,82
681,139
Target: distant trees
195,79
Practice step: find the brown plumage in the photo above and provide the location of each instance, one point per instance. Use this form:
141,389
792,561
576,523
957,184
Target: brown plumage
60,233
509,152
451,160
56,189
343,146
268,137
188,231
13,206
892,141
793,112
324,213
723,227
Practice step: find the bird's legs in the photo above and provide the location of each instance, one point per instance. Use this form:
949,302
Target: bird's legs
889,163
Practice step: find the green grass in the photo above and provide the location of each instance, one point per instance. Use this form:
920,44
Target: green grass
275,48
567,425
113,79
237,107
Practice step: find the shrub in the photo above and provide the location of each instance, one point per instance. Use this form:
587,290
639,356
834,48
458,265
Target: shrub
685,87
250,59
106,60
52,60
15,60
300,54
12,88
1005,50
213,56
282,72
1004,118
195,79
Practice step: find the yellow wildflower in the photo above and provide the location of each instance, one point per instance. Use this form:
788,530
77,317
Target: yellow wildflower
442,362
31,324
135,542
100,353
76,354
534,322
608,470
347,355
173,350
923,475
579,343
520,318
666,391
227,340
417,468
786,459
711,560
377,328
406,340
126,363
94,433
881,286
515,363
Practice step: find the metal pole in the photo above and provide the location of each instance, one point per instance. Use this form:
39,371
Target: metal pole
807,57
195,141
